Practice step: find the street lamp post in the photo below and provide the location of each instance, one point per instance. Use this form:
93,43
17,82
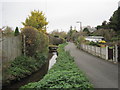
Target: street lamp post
80,25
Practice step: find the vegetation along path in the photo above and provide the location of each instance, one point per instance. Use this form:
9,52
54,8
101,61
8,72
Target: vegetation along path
101,73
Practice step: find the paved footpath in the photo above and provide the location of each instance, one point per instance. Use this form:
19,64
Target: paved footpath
101,73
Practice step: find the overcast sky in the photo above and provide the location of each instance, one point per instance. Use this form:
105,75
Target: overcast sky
61,14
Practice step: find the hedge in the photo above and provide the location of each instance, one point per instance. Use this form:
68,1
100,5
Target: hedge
64,74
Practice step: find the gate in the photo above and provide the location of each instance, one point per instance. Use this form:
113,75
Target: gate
110,53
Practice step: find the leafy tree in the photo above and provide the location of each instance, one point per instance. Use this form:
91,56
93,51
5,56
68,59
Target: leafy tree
35,41
61,34
113,24
118,19
71,31
7,31
71,34
98,27
86,30
80,39
16,31
74,35
57,37
108,34
56,40
37,20
104,23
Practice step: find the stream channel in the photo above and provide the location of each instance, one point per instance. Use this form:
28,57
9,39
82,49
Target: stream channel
36,76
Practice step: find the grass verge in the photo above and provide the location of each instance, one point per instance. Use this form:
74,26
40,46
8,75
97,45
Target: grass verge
64,74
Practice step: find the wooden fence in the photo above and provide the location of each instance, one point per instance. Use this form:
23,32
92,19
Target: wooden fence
11,48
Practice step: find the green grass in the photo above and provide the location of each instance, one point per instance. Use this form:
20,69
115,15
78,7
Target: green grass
64,74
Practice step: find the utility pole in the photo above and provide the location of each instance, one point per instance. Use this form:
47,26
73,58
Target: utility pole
80,25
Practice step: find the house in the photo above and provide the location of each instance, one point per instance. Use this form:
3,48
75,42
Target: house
94,38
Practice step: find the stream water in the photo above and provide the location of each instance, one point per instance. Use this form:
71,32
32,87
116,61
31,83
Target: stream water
52,60
36,76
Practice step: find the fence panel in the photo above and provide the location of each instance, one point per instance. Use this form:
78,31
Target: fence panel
11,48
98,51
103,53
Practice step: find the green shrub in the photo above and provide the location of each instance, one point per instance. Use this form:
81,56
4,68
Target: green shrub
94,43
41,56
23,66
64,74
7,31
115,38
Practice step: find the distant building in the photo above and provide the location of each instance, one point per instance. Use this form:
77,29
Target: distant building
94,38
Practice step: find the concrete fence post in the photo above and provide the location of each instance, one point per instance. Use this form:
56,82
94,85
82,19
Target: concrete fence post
88,48
116,53
100,51
106,52
95,51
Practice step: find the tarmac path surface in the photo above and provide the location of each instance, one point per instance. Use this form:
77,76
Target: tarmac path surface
101,73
